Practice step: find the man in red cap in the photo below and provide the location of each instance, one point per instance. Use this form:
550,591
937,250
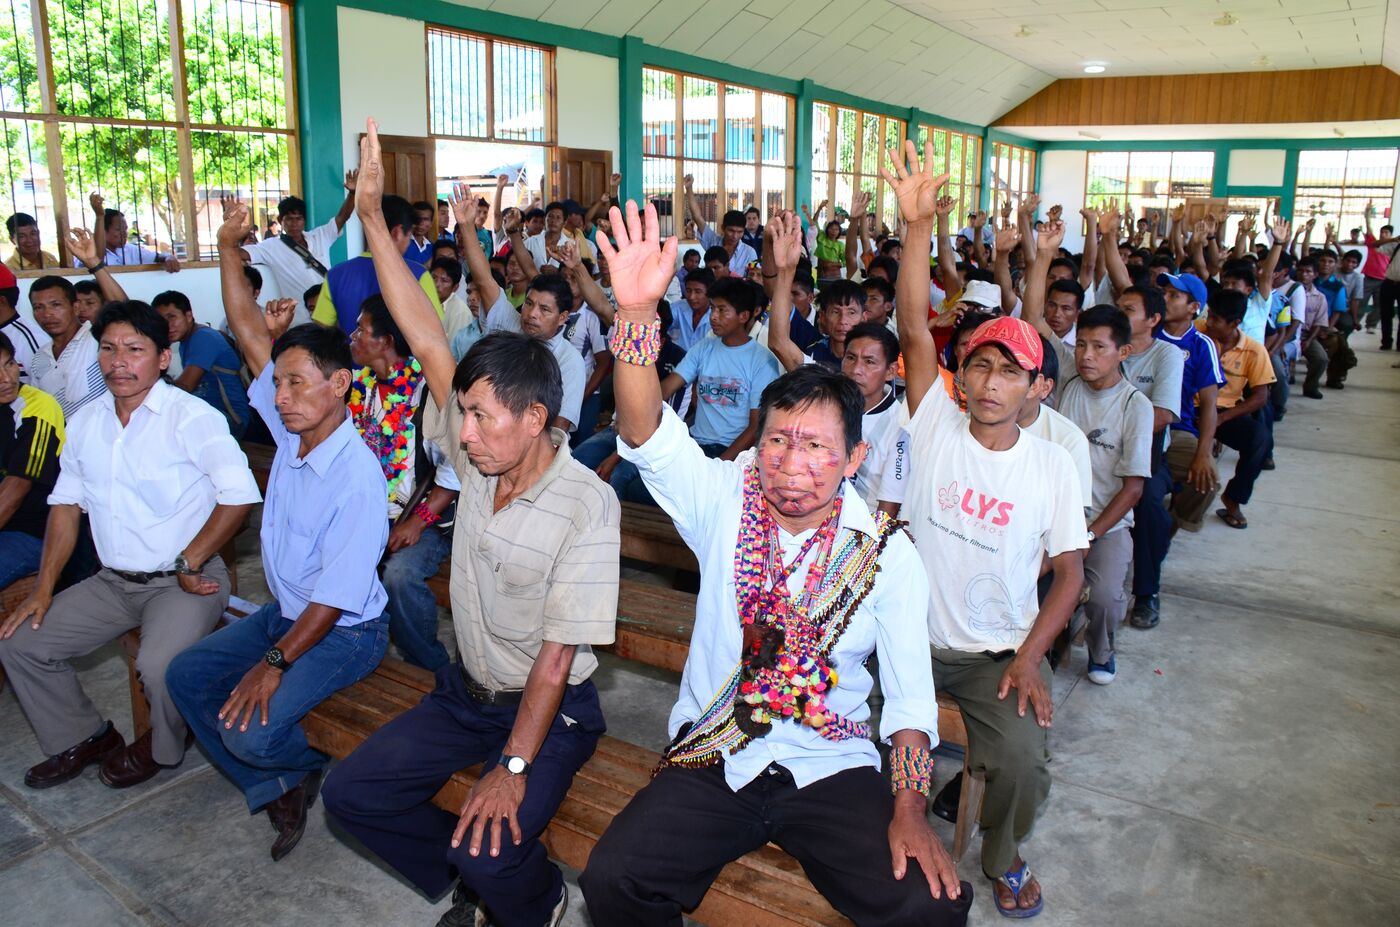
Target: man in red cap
26,337
985,504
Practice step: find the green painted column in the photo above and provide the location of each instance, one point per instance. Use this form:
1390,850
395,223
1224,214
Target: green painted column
1289,193
629,141
802,145
984,197
317,38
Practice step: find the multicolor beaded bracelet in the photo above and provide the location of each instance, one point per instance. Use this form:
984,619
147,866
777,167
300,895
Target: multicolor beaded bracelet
636,343
911,768
426,515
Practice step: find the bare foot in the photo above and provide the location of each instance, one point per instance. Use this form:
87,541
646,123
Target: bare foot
1030,892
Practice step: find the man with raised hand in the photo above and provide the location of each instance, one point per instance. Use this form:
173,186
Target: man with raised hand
298,258
323,530
986,504
817,583
534,586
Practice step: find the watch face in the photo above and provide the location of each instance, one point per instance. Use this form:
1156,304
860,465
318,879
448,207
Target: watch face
516,765
274,658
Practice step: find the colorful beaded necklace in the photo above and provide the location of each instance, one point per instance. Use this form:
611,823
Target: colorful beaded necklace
390,436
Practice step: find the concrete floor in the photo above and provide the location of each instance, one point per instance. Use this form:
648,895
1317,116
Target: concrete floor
1242,770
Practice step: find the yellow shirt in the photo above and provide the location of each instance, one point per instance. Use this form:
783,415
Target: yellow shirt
46,260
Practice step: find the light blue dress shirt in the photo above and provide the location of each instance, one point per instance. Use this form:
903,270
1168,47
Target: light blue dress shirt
324,526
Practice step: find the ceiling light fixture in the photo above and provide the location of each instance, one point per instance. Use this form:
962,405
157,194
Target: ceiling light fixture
1094,69
1023,33
1094,135
1226,20
1338,132
1263,61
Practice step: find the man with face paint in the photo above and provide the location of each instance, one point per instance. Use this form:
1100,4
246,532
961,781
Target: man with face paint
743,769
245,688
986,504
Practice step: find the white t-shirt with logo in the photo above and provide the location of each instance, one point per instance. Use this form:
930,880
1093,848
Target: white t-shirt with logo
981,521
883,473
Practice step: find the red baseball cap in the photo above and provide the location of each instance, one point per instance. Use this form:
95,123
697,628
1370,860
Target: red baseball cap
7,278
1015,335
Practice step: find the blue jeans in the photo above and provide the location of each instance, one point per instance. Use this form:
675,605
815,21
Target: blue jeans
19,555
268,759
413,610
595,450
587,419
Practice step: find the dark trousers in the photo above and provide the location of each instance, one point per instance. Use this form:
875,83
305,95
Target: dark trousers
669,844
1389,297
1248,434
382,794
1152,529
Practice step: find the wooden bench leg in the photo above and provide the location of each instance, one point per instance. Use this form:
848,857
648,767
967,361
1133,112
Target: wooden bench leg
974,784
140,708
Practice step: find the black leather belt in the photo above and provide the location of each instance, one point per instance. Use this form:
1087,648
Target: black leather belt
142,578
486,696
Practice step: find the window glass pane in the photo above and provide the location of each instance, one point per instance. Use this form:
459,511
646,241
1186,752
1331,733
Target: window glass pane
739,111
233,62
111,59
658,112
251,166
846,121
894,141
775,130
739,189
776,181
821,137
701,113
19,69
870,141
519,93
24,168
1107,177
705,189
456,84
137,169
659,182
821,181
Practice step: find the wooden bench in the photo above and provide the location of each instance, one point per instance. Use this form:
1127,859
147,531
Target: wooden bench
11,597
649,535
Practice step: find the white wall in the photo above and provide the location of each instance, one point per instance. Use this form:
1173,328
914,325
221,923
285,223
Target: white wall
588,101
1256,167
1062,184
200,284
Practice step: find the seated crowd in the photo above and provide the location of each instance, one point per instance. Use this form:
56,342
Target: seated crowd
486,395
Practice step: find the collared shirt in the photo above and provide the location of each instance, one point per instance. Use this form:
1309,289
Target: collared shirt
1200,369
704,497
350,283
420,251
129,255
31,438
74,377
504,317
28,339
149,487
323,525
543,568
16,261
289,269
739,260
685,331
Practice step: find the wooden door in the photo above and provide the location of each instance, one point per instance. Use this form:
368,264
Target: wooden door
409,167
582,174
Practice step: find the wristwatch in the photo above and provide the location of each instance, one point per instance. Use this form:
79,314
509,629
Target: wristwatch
515,765
184,567
96,267
1092,536
274,659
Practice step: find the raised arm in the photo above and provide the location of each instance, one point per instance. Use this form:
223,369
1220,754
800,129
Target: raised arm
592,293
860,205
240,308
1007,240
1112,261
410,307
99,207
1178,235
1265,277
1025,223
949,279
783,243
688,184
521,255
1307,236
464,211
501,182
1090,261
916,189
979,250
348,205
1196,250
641,266
1037,285
83,247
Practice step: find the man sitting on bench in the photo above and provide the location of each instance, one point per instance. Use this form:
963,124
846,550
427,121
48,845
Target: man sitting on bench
770,735
245,688
534,583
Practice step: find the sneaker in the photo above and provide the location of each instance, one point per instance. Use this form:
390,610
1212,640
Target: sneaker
464,912
556,917
1146,612
1103,673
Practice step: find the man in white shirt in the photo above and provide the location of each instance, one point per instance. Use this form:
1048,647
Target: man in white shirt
742,769
67,368
165,486
298,259
732,237
112,230
986,504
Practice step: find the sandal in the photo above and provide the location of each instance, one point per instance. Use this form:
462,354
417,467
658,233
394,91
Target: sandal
1016,880
1234,521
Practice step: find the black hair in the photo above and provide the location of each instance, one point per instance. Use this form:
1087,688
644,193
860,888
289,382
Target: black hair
716,254
889,245
11,296
1065,262
54,282
1109,317
1309,261
1285,261
978,273
20,220
86,287
840,292
313,291
556,286
173,298
6,346
536,213
445,243
1165,263
881,286
253,276
382,324
1229,306
289,205
398,214
1154,302
1241,272
423,204
693,252
663,312
109,216
732,219
1071,287
754,210
887,263
557,204
877,332
1353,253
737,292
139,316
810,384
327,345
450,266
701,276
1049,360
971,320
1327,253
804,283
521,370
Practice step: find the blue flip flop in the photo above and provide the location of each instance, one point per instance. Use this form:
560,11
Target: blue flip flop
1016,879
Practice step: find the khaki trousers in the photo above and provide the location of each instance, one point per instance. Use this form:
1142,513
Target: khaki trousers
82,619
1014,752
1188,505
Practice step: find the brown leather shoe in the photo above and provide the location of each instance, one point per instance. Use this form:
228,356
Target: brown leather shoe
121,769
288,814
61,767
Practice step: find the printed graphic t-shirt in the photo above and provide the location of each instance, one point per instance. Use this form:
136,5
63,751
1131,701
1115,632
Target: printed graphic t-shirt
728,383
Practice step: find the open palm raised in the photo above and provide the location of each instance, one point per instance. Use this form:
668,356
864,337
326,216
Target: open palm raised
913,182
641,264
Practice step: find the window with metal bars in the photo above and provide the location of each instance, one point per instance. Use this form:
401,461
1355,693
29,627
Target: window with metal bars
735,141
848,150
1336,186
161,108
1013,173
959,155
1139,181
